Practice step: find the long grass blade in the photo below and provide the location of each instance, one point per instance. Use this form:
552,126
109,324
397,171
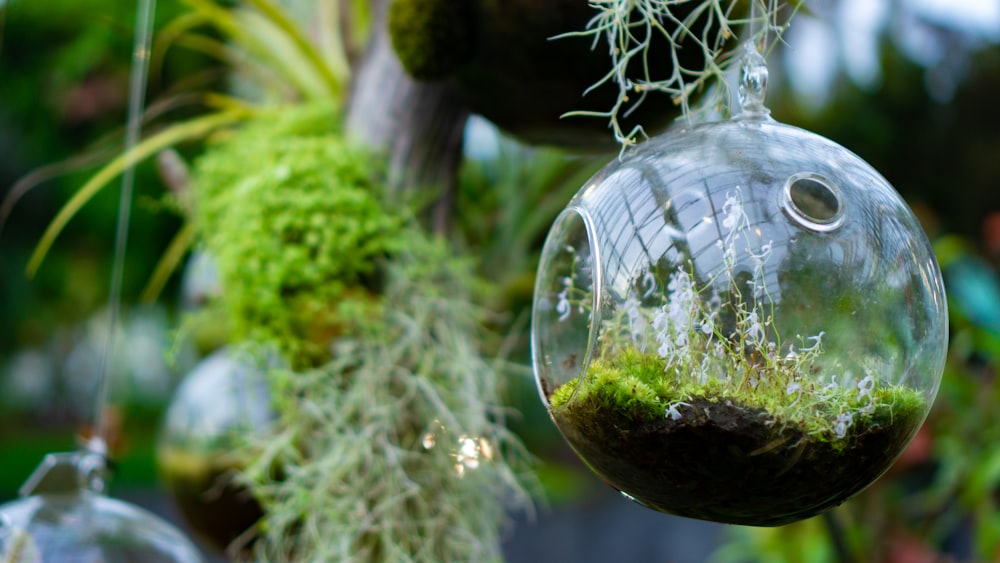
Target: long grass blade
168,262
195,128
334,71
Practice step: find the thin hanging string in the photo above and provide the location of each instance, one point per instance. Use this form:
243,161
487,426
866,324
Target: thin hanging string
3,23
758,27
136,101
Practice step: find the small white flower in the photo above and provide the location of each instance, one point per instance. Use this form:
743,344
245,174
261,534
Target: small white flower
680,306
865,387
661,324
794,388
817,341
732,211
682,340
664,350
828,390
649,284
672,412
765,253
754,331
637,325
844,421
563,306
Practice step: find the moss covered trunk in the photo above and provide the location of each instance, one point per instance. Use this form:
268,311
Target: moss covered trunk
419,125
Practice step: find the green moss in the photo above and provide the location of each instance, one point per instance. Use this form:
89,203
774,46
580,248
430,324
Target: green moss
636,384
432,38
724,451
298,225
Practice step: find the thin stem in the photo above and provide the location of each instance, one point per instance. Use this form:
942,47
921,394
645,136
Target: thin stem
137,95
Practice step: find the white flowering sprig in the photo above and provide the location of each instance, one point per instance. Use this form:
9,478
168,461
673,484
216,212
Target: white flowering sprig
572,297
726,339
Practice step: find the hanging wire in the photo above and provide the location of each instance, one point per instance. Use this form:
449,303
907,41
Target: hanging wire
3,22
136,101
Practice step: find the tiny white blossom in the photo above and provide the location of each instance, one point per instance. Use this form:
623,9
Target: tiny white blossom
649,283
817,340
765,253
794,388
844,421
679,307
672,412
732,211
681,340
865,387
754,331
728,249
563,306
661,324
637,325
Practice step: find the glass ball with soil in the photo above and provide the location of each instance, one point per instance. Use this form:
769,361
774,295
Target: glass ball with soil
739,322
201,452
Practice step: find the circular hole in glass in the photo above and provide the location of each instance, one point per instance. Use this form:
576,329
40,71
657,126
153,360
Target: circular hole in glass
813,202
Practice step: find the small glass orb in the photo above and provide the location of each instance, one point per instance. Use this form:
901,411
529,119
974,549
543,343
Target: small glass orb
739,321
197,452
87,526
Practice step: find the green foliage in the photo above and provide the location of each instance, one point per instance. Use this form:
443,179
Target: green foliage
390,439
431,37
637,385
802,542
292,214
395,449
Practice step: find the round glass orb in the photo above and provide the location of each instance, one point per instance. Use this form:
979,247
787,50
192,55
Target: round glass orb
197,452
87,526
740,322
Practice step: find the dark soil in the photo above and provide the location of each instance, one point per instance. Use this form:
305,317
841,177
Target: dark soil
217,509
729,463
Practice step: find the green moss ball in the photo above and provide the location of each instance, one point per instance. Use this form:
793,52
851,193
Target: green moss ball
431,37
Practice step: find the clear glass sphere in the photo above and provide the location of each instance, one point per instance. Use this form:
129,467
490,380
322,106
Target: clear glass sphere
739,321
87,526
198,457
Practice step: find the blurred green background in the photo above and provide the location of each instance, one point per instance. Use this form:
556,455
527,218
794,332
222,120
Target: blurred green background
909,85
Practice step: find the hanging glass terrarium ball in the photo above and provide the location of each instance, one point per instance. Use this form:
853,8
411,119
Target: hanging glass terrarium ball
740,321
198,455
66,518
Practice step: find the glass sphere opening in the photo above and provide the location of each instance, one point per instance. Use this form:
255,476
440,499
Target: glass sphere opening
567,303
813,202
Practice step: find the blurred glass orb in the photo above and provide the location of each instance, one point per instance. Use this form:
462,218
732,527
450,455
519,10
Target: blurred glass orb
224,397
88,527
740,321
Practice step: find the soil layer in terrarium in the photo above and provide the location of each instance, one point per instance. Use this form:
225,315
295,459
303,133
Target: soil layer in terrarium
720,459
216,507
